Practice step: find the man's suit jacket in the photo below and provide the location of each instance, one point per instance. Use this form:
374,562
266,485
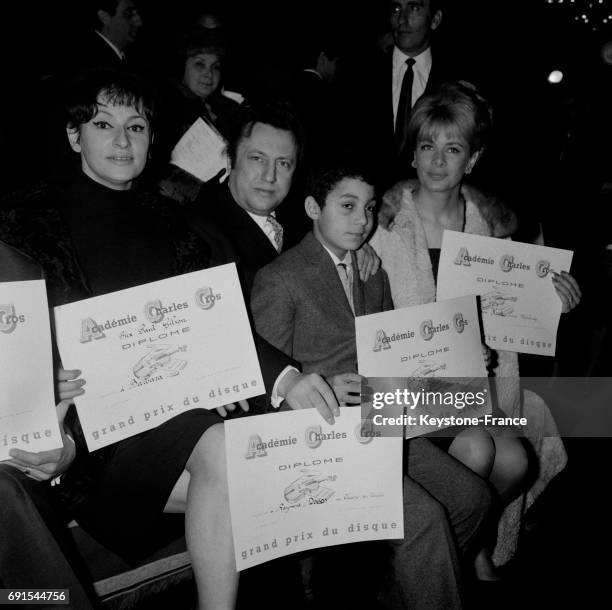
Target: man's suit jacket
232,236
440,72
95,53
375,114
316,104
299,306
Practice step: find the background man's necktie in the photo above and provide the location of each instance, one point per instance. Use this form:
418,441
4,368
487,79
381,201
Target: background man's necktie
404,106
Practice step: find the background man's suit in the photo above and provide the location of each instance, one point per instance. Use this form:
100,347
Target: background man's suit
95,52
369,110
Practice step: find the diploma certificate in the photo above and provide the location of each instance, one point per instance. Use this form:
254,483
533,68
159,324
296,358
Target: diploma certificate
432,355
151,352
520,307
201,152
298,483
434,340
28,419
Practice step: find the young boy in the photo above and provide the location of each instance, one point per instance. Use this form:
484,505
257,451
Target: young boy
305,301
299,305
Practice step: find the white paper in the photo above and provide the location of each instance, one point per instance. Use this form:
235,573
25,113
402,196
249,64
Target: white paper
151,352
433,352
434,340
520,307
298,483
201,152
28,418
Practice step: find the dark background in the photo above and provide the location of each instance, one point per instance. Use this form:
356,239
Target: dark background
553,156
548,141
511,45
550,146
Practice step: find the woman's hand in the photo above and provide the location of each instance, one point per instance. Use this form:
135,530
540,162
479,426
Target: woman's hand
231,407
68,386
568,290
46,465
367,261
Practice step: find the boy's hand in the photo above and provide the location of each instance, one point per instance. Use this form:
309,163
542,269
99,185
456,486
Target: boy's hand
309,391
68,386
223,411
347,388
568,290
367,261
46,465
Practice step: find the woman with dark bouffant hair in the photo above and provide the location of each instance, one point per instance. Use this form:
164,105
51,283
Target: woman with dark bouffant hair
97,232
448,131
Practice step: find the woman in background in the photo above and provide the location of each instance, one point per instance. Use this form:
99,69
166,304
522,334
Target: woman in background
196,93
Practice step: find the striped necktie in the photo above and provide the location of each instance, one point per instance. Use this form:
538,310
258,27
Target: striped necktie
346,277
275,230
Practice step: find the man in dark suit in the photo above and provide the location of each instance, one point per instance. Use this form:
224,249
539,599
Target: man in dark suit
313,97
118,23
238,222
36,550
412,25
238,219
400,76
111,27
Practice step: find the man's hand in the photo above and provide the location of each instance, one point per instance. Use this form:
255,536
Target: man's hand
568,290
46,465
223,411
367,261
68,386
347,388
309,391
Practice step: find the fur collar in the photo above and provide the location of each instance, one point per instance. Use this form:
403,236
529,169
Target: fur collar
500,219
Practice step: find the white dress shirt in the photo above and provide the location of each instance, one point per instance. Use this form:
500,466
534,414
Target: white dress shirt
264,226
421,69
120,54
